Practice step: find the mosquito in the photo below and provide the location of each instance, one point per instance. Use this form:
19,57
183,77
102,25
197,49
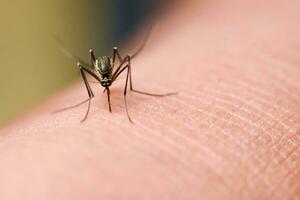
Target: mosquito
104,70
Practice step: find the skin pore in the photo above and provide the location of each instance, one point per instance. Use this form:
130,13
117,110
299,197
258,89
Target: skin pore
232,132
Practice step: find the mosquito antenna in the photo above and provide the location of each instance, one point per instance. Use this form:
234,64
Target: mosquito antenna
145,40
108,98
68,53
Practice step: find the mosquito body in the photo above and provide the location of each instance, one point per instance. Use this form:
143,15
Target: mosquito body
104,66
105,71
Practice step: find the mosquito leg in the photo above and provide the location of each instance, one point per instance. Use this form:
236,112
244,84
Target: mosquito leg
141,92
125,93
129,79
117,54
74,106
89,90
121,60
144,42
93,58
119,70
88,87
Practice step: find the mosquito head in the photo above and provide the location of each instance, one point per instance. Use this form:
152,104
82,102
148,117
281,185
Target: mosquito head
104,65
106,82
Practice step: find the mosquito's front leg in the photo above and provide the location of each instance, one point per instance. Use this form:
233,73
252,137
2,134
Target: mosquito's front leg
88,87
142,92
93,58
119,70
83,70
117,54
128,67
125,91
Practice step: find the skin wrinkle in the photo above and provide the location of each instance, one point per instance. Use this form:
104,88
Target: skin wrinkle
172,130
256,108
222,119
284,138
234,139
200,157
291,95
175,155
283,55
243,108
283,181
235,114
293,193
247,88
265,169
283,79
170,143
279,73
257,90
292,190
186,166
280,183
241,176
264,92
157,145
288,153
259,118
210,168
271,124
176,143
286,159
248,122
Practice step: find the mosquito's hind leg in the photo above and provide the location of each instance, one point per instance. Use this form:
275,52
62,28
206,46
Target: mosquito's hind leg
88,87
117,54
125,91
89,90
142,92
93,58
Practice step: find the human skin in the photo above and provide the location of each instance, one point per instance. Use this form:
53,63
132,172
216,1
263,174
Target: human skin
232,132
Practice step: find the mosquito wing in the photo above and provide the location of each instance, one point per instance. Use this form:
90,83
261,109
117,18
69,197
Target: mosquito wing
70,54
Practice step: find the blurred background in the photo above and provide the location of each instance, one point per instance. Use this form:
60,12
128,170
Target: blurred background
32,66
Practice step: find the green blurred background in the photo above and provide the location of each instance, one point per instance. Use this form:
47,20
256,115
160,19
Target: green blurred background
33,67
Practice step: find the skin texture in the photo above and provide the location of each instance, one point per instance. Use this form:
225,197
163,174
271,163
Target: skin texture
232,132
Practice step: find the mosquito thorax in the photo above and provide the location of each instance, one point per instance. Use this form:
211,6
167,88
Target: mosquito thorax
104,65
